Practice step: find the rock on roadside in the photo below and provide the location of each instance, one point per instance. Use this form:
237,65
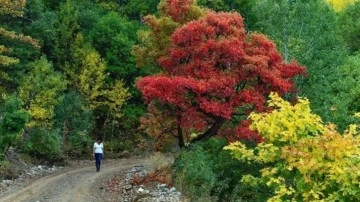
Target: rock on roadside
121,188
32,172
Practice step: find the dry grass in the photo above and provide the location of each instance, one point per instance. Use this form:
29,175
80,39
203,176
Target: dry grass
160,161
161,170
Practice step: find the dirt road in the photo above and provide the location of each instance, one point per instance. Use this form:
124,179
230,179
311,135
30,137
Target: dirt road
80,184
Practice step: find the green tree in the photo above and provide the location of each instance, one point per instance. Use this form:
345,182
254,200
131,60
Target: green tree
110,5
10,40
347,90
89,77
91,13
113,37
67,29
44,26
75,122
12,121
308,31
350,26
137,9
243,7
54,5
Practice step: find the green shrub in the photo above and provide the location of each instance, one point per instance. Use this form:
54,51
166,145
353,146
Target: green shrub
116,146
79,145
44,144
127,145
193,175
5,171
207,172
12,122
113,146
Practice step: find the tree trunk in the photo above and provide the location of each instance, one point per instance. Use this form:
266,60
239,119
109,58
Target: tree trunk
180,137
212,131
99,123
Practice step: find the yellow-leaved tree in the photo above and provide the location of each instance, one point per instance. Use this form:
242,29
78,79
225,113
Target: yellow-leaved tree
88,75
156,39
339,5
302,159
14,9
41,91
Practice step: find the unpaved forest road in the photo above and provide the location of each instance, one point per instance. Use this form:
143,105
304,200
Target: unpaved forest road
78,185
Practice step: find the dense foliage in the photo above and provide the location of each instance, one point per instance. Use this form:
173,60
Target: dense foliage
303,159
72,70
12,122
213,73
74,75
207,172
322,51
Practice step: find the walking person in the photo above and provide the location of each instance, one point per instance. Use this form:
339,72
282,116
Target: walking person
98,152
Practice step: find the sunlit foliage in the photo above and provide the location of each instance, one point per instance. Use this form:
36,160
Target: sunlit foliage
304,160
41,91
14,9
88,76
173,14
339,5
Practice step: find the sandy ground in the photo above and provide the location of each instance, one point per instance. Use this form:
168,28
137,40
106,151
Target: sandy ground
71,184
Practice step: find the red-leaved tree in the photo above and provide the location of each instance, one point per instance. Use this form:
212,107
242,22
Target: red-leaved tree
214,75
